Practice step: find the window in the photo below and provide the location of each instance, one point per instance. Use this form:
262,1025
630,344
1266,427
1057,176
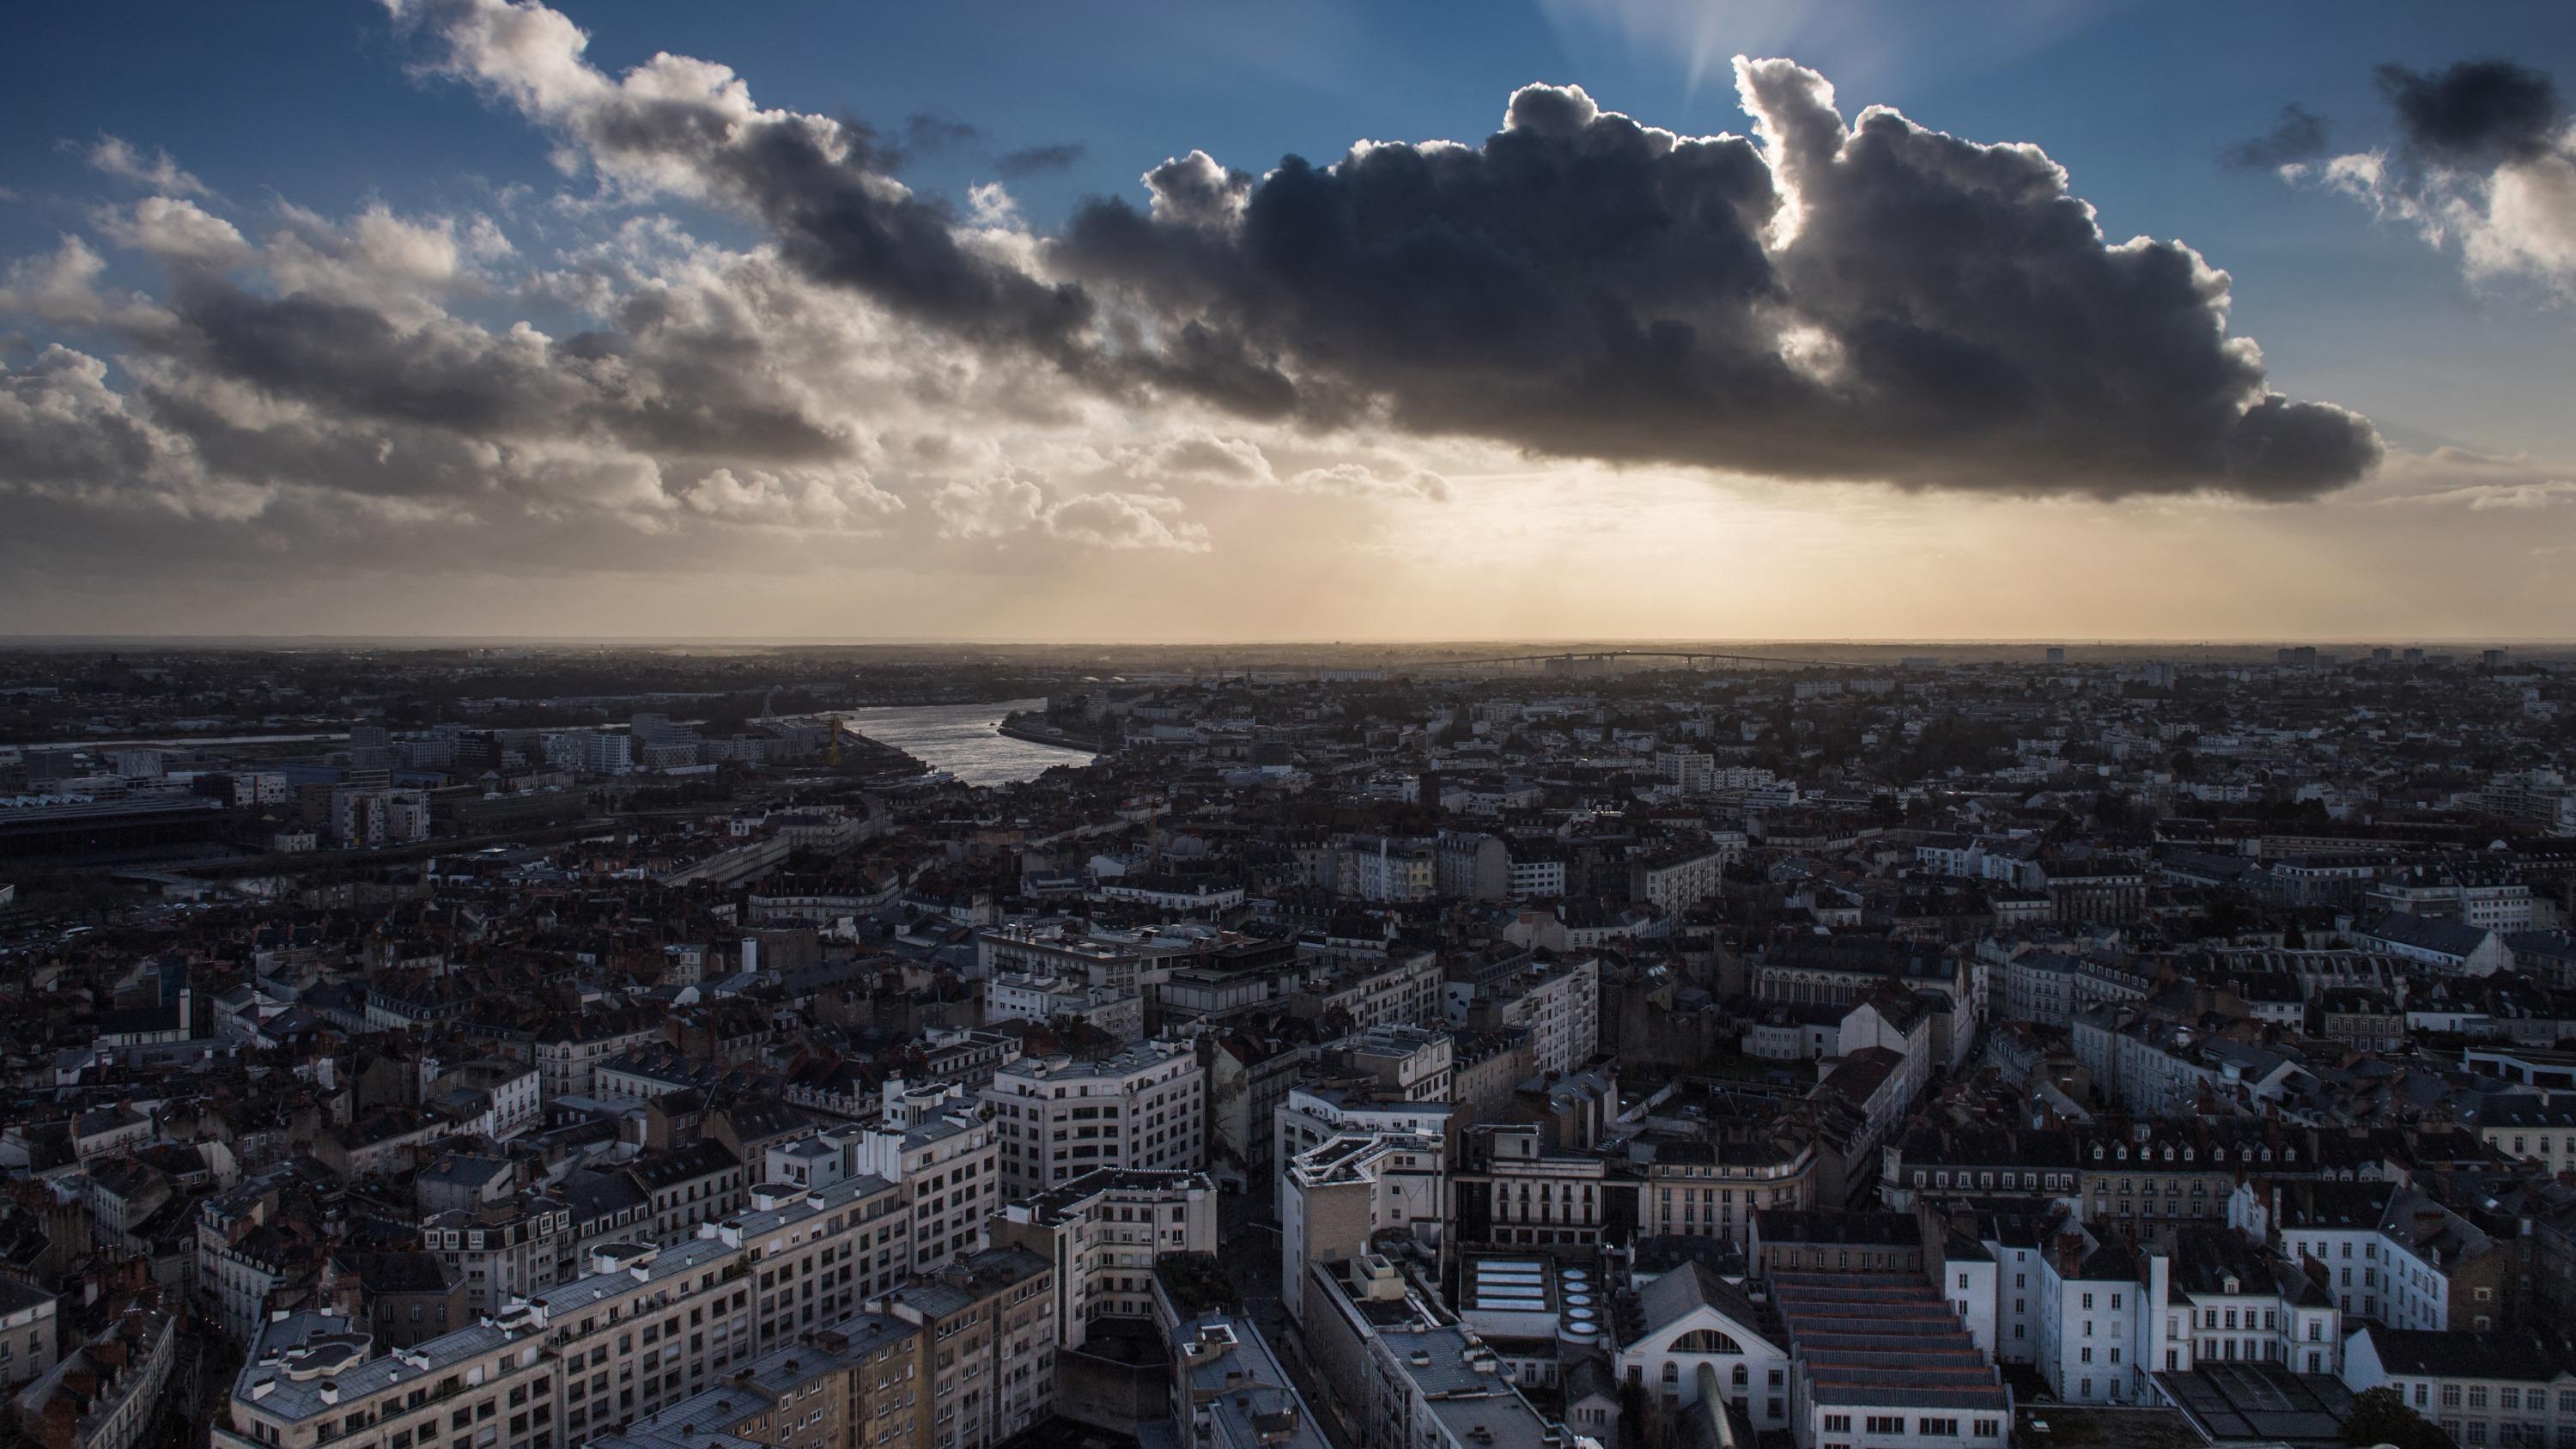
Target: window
1886,1424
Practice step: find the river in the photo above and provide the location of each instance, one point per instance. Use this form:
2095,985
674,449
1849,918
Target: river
961,739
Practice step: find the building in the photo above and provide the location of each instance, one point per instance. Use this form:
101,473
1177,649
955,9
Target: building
1143,1108
1510,1188
1880,1359
570,1049
2448,947
2482,1389
1700,1337
105,1394
684,1187
1438,1387
1371,989
1677,880
1012,996
503,1250
1104,1231
857,1385
990,1322
935,1143
403,1298
1558,1002
1335,1197
27,1327
1229,1392
2393,1256
1320,1109
642,1329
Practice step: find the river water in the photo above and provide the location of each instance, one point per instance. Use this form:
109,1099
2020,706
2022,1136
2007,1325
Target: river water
960,738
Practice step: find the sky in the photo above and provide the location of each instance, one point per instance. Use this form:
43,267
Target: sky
1156,321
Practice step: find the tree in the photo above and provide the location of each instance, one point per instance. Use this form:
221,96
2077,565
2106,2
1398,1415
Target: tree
2380,1416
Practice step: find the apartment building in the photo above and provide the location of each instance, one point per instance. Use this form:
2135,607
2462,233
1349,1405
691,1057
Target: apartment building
1393,988
1104,1231
1677,879
991,1329
1142,1108
1333,1197
645,1328
1412,1062
1233,1392
570,1048
1323,1108
105,1393
2391,1255
935,1143
686,1186
503,1250
1509,1187
2483,1389
1015,996
1387,870
1557,1001
26,1333
1712,1189
1535,874
857,1385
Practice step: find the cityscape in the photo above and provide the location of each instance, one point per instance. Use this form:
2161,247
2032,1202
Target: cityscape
1460,1045
1480,724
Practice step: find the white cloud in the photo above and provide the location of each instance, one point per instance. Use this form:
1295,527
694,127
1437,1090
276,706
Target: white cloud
1019,503
2513,220
125,161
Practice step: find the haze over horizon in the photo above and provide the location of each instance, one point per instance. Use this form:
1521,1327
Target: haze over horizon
480,319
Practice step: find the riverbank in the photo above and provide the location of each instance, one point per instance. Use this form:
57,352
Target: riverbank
1037,735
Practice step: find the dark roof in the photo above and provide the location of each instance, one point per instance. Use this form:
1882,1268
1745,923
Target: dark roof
2525,1356
1799,1225
402,1272
2447,937
682,1164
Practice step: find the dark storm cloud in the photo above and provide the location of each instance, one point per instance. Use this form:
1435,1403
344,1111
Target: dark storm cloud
2300,135
2475,113
841,224
1875,301
1032,160
1943,313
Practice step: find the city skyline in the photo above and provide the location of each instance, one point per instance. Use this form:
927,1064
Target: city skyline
819,324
